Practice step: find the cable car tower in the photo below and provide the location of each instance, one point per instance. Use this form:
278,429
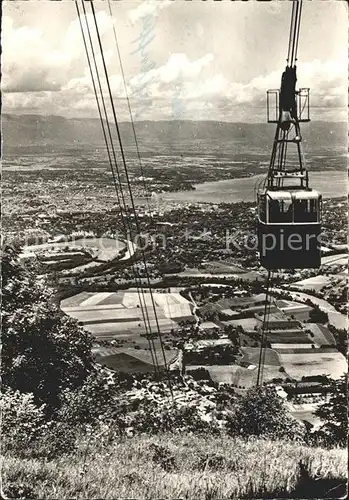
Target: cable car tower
289,211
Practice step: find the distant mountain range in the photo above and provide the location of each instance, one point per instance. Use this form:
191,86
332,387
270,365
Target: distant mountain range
37,130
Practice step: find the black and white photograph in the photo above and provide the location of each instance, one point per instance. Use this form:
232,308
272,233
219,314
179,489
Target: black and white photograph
174,249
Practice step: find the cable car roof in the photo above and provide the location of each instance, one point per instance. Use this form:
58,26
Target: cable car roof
311,194
306,195
279,195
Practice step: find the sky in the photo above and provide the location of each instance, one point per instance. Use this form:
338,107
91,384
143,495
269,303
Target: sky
181,59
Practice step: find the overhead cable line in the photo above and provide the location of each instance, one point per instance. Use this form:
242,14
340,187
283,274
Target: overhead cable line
140,290
126,173
104,127
265,327
129,108
129,185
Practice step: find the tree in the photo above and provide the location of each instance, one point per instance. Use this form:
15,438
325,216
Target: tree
261,412
335,414
317,316
341,338
43,351
98,398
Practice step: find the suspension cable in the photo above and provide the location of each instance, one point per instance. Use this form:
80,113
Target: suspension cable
298,28
145,319
266,323
131,114
290,35
129,187
129,108
140,290
155,363
294,32
264,331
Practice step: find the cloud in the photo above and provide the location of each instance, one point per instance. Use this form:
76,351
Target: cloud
177,75
26,62
42,78
31,64
328,81
195,80
147,8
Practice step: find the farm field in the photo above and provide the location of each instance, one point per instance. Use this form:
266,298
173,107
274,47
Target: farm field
208,325
241,302
128,330
290,336
292,348
131,360
322,335
118,315
298,364
315,283
251,355
336,318
248,324
298,311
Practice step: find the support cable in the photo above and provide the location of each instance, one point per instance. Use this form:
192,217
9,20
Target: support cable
151,344
298,28
131,118
290,35
129,108
264,330
140,290
129,186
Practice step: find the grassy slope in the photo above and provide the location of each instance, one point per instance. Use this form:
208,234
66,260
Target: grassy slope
126,469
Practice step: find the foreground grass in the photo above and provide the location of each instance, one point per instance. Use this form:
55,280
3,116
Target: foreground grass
173,467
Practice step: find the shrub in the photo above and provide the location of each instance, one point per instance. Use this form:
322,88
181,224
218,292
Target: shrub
163,457
56,439
19,491
96,399
200,374
152,418
27,434
22,421
261,412
316,315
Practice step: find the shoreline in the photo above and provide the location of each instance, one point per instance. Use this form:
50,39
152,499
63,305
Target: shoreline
331,184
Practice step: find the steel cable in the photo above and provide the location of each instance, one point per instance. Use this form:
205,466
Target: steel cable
129,187
151,344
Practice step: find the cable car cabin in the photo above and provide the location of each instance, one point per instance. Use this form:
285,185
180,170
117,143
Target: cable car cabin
289,227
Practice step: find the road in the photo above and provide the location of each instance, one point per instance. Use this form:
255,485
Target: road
336,318
341,258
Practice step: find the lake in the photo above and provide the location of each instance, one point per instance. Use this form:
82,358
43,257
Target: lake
332,183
